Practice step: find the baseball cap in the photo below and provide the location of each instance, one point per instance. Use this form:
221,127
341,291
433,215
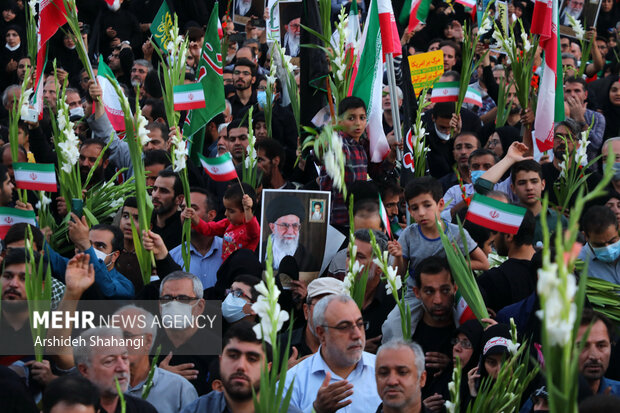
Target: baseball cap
325,285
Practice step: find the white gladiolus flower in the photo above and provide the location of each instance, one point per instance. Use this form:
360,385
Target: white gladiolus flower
576,26
347,283
487,24
357,267
43,202
180,156
527,46
513,347
450,407
547,279
451,387
142,132
271,79
272,317
333,169
558,323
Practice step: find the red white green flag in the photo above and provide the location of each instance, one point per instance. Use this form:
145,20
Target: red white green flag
368,83
12,216
190,96
389,33
467,3
35,176
220,169
550,93
495,215
463,311
111,103
414,12
445,92
473,96
385,218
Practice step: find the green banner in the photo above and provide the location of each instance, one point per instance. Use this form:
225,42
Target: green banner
161,26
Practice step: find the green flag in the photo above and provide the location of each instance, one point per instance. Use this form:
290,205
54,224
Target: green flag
210,74
161,26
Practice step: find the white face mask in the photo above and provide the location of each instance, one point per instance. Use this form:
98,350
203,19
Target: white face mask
232,308
176,315
441,135
79,111
102,256
115,6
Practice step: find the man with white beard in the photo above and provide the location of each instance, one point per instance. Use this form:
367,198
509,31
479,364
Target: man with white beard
285,215
292,36
573,8
243,7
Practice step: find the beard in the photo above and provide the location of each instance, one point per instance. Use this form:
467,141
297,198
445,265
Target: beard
292,40
237,392
283,247
98,175
572,12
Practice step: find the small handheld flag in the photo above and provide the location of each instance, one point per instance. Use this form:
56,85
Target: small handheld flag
35,176
220,169
12,216
189,96
385,218
495,215
445,92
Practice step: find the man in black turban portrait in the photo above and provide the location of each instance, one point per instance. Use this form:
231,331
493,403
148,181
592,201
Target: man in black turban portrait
285,215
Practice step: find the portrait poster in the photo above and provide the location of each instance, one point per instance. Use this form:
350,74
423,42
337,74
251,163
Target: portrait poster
296,221
584,11
243,10
290,27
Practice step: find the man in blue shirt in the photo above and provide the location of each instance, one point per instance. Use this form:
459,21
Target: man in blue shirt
104,244
603,248
594,358
205,251
341,375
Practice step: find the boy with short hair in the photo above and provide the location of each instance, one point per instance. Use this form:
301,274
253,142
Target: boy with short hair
602,251
239,229
421,239
352,118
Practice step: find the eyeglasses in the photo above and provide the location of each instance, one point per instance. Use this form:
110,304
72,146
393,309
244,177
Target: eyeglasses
180,298
493,142
348,327
237,293
289,226
127,335
242,72
465,344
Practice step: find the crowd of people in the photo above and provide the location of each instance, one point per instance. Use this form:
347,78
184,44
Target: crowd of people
343,357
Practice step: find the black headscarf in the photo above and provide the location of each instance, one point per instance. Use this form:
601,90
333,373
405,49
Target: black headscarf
611,112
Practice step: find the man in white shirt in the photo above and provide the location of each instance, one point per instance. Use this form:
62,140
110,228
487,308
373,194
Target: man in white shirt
340,375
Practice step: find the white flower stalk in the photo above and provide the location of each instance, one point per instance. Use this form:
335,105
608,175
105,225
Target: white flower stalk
338,62
394,283
25,103
271,316
486,25
179,155
581,156
43,202
69,147
559,311
527,46
250,158
576,26
141,132
271,78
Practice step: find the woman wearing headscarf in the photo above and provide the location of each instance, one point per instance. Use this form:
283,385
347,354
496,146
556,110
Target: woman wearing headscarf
500,140
13,50
611,107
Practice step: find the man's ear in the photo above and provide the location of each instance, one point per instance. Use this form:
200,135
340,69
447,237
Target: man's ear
115,256
543,184
211,215
416,291
83,369
441,204
320,333
276,161
272,227
105,163
422,379
179,199
160,120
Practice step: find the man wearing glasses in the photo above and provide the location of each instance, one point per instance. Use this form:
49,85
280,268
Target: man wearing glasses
244,77
182,343
340,373
285,215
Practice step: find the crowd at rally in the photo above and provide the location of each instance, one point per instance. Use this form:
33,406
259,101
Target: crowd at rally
343,357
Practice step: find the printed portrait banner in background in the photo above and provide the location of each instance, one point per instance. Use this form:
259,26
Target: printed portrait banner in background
243,10
425,69
297,223
584,11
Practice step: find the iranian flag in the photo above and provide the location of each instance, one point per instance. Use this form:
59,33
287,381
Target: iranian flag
495,215
12,216
385,218
189,96
473,96
35,176
52,15
389,33
111,103
463,311
220,169
445,92
414,12
368,83
550,94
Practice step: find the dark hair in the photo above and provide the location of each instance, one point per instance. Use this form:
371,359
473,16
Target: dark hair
443,109
528,165
18,256
574,79
574,128
4,173
237,123
452,44
431,266
525,234
368,205
158,109
234,193
390,188
242,331
250,280
272,149
118,237
477,232
474,134
456,76
350,102
210,203
424,185
246,62
589,317
178,185
157,157
17,232
597,219
96,141
163,128
72,389
195,33
482,152
131,202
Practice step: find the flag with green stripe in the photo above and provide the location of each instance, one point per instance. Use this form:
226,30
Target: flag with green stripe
445,92
220,169
35,176
12,216
495,215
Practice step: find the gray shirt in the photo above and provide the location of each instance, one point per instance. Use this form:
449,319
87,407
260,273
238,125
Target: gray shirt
215,402
608,271
170,392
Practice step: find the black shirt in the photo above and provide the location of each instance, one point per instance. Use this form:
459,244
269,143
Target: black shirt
132,405
436,340
172,230
508,283
238,108
377,311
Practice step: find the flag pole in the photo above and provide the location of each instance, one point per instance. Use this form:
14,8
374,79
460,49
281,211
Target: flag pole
389,59
240,184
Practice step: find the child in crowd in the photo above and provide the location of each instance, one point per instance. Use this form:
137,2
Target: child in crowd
239,229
